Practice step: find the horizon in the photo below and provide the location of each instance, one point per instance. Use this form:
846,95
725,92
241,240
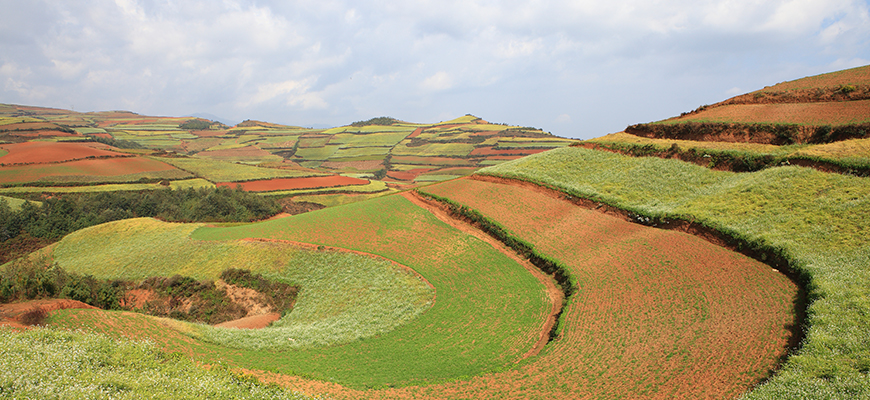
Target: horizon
576,70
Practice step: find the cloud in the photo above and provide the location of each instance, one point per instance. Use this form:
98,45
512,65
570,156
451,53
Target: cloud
586,67
441,80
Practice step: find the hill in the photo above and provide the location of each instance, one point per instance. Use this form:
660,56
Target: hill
821,121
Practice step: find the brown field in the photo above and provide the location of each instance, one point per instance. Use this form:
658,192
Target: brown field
296,183
860,75
658,314
86,168
53,152
408,175
829,113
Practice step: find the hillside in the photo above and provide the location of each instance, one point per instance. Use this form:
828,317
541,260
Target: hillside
821,121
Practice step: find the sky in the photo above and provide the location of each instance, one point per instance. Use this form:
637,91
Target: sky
579,69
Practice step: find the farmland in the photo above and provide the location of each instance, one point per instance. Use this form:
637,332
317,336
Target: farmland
810,219
717,254
506,304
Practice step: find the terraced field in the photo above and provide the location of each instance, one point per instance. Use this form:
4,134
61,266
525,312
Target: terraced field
487,313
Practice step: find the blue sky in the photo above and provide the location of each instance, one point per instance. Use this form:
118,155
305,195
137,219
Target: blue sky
574,68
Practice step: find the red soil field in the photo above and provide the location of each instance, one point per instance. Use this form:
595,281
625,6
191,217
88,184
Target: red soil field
53,152
658,314
408,175
415,133
829,113
98,167
296,183
30,126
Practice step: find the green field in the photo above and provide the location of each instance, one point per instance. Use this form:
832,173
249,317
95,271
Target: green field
813,219
220,171
345,297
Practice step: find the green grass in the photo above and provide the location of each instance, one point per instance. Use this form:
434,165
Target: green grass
485,316
344,297
51,364
220,171
338,199
117,187
316,153
817,221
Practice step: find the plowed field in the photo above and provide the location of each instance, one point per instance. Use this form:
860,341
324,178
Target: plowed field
52,152
658,314
91,170
831,113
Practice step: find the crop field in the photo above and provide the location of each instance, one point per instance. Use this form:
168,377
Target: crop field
219,171
849,153
332,200
372,187
658,313
314,182
122,169
246,154
435,149
812,219
828,113
53,152
347,297
372,139
488,311
316,153
853,76
116,187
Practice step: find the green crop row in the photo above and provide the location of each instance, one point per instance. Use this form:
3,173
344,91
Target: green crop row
813,220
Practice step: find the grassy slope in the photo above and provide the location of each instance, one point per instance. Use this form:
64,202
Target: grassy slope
485,315
487,312
345,296
816,220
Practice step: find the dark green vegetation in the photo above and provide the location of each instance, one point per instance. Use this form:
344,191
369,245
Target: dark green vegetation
34,225
810,219
179,297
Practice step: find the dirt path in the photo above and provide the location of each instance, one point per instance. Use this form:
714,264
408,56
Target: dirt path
554,294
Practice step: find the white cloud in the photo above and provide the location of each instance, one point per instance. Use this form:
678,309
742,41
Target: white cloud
441,80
